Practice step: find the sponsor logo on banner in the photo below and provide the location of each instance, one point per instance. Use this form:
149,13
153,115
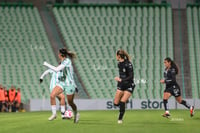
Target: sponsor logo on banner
149,104
144,104
110,105
107,104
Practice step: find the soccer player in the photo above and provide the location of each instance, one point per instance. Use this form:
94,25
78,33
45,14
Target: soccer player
65,82
125,81
172,88
54,79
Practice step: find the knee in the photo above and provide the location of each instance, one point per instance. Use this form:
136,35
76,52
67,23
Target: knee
52,96
62,97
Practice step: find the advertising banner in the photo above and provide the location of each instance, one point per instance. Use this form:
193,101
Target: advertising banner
107,104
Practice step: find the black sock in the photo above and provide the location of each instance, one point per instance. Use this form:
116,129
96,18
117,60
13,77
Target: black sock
116,104
185,104
165,102
121,110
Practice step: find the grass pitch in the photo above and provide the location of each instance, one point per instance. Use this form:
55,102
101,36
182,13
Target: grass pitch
135,121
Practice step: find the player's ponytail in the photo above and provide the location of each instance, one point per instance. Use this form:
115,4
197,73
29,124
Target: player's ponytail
71,54
123,54
173,64
65,53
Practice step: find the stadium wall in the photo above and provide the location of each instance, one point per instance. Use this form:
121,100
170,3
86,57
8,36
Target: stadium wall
107,104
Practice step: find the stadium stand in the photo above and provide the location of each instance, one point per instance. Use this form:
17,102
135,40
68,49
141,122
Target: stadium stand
23,48
96,32
193,15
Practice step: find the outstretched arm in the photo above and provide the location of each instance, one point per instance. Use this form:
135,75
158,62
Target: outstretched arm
45,73
56,69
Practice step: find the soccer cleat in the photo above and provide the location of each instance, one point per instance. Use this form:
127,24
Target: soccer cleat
76,117
52,117
119,121
63,115
192,111
167,115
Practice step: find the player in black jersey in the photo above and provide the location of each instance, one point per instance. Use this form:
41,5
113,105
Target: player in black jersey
125,81
172,88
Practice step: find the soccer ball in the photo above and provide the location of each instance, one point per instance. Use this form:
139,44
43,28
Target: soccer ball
68,114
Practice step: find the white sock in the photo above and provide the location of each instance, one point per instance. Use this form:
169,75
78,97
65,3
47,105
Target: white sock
62,108
53,108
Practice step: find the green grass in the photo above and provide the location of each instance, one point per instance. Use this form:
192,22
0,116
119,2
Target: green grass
135,121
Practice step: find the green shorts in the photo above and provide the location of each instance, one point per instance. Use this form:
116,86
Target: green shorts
67,89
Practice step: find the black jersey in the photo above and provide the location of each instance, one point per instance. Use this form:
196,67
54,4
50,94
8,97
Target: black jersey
170,77
125,73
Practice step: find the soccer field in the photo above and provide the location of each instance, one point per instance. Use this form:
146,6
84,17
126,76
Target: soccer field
135,121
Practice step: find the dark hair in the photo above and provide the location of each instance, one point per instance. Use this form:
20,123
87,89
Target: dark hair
123,54
173,64
65,53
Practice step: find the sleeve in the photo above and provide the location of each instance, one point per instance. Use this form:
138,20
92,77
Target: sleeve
172,77
56,69
45,73
66,62
129,69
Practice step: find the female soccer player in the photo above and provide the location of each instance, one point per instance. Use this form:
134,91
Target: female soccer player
65,82
125,81
172,88
54,79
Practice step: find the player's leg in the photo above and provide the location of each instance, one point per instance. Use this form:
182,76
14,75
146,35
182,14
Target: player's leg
70,92
166,96
55,92
186,104
10,106
70,100
6,106
118,96
17,106
122,105
61,98
3,106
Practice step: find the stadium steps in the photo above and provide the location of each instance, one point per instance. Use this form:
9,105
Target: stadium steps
181,51
24,47
193,15
95,32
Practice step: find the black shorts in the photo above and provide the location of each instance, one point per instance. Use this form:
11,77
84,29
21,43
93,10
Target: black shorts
125,87
173,90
